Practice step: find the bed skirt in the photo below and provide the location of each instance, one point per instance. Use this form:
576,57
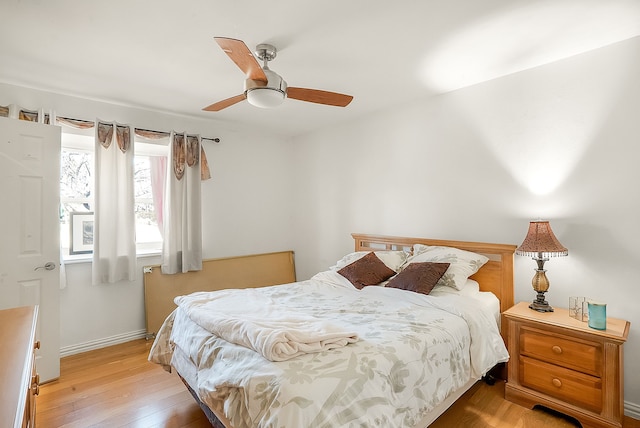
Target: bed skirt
215,422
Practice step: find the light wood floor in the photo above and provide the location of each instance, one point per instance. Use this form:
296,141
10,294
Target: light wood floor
118,387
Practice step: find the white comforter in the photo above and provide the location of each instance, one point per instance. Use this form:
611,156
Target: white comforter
249,318
414,350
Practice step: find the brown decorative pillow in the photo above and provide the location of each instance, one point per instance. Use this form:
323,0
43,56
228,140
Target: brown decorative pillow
419,277
367,270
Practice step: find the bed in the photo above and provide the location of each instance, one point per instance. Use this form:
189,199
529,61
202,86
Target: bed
377,351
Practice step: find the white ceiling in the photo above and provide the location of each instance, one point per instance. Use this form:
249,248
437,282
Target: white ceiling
160,54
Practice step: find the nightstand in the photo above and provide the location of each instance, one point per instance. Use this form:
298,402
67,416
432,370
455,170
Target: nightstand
559,362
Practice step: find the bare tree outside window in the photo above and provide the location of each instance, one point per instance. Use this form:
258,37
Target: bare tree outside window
76,182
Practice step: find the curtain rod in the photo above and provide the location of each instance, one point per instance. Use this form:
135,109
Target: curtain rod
215,140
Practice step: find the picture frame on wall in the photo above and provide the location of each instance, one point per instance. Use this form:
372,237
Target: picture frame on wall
81,227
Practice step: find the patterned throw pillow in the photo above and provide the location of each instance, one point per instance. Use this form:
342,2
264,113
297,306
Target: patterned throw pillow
419,277
368,270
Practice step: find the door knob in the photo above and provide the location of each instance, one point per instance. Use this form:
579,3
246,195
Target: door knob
47,266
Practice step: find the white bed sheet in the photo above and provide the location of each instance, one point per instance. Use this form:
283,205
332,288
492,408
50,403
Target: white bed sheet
224,387
487,300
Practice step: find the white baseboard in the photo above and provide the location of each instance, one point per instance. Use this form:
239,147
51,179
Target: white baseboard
632,410
65,351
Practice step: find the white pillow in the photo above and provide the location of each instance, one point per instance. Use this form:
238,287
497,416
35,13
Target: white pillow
392,259
463,263
470,288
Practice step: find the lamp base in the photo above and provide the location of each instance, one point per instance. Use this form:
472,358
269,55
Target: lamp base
540,304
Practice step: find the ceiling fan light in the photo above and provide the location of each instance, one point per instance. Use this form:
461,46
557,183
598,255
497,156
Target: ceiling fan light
265,97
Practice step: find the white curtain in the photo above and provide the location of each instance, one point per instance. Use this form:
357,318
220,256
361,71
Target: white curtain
114,239
182,222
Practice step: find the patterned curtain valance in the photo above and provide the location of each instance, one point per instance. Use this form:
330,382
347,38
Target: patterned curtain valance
75,123
186,152
151,135
34,116
28,115
123,135
205,173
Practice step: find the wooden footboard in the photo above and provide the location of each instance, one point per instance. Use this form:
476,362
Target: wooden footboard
257,270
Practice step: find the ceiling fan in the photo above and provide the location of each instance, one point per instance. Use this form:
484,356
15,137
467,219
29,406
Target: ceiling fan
263,87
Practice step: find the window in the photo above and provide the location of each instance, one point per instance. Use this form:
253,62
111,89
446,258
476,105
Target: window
76,187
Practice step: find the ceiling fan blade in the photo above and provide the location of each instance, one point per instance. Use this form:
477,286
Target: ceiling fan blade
319,97
225,103
242,56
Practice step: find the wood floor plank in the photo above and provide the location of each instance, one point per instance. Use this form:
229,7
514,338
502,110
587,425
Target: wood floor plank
117,387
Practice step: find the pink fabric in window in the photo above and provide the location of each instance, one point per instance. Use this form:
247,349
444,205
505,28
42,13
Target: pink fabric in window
158,171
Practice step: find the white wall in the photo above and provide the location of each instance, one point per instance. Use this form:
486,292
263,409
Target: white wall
246,209
560,142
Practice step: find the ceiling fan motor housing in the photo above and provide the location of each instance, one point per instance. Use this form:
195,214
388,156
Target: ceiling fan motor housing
269,95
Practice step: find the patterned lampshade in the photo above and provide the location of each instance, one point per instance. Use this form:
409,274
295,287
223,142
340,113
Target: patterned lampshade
540,242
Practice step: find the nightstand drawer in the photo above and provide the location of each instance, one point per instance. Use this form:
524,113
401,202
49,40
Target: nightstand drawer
563,350
567,385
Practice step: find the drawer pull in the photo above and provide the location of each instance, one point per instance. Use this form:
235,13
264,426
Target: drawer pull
36,345
556,382
556,349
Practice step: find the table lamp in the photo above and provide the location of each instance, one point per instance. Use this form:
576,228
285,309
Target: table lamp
540,244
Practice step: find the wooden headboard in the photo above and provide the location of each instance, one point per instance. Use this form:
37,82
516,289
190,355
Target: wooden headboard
256,270
495,276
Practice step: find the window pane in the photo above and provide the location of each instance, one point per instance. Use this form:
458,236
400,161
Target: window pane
75,174
146,221
142,177
146,224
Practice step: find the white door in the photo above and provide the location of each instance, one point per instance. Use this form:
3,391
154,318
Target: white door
29,226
